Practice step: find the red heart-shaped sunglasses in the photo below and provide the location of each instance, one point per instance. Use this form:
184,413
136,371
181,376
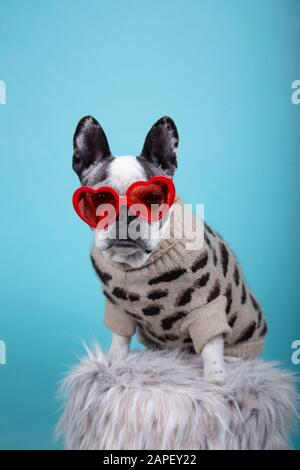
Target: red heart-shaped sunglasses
150,200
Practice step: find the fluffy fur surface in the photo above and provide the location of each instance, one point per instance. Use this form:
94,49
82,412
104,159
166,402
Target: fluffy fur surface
158,400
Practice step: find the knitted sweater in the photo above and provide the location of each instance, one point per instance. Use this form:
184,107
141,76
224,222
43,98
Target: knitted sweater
182,298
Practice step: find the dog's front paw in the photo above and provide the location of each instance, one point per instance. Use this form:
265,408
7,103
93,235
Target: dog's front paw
115,355
215,373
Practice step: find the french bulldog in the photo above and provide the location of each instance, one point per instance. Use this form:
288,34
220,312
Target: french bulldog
96,167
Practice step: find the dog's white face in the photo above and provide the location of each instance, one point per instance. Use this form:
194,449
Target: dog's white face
129,239
116,242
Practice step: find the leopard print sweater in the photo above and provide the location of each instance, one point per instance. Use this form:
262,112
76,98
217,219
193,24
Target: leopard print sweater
182,298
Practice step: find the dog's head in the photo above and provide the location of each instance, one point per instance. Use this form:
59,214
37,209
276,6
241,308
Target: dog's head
96,166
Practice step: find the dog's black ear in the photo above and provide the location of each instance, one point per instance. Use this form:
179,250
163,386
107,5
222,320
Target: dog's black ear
160,147
89,143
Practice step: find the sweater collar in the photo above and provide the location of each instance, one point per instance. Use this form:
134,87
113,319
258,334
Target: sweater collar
174,236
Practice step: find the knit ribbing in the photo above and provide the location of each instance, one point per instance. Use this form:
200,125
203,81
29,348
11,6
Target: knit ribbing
206,323
119,321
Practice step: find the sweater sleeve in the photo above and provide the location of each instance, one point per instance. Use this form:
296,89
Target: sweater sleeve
206,323
119,322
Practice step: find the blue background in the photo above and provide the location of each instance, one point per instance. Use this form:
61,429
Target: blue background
223,70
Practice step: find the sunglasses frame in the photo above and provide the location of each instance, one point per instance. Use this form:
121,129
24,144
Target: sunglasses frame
125,200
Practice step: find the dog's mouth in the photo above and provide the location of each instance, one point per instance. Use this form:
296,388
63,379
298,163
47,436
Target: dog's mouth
124,244
129,244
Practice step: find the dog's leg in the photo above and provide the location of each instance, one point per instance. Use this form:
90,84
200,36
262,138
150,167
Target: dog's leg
119,347
213,361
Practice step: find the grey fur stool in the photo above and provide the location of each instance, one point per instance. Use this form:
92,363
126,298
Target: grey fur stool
159,400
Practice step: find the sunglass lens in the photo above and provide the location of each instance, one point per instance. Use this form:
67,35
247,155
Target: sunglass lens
97,208
149,200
